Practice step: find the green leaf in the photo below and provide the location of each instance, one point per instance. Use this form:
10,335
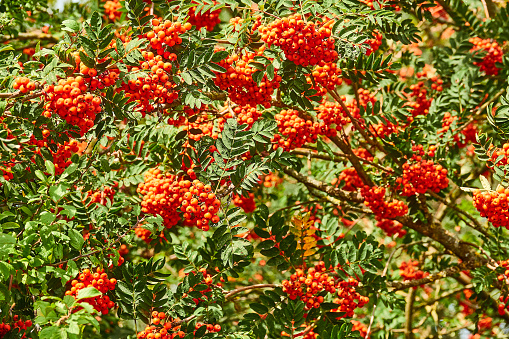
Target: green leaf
69,170
77,240
7,239
259,308
71,26
57,192
88,292
50,168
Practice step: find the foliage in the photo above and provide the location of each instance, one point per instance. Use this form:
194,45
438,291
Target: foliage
254,169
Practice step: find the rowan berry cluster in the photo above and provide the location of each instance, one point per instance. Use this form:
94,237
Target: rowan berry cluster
247,114
100,196
348,298
420,103
157,85
236,22
6,173
271,180
310,335
165,34
100,281
143,234
62,157
332,114
365,97
304,43
438,11
409,270
308,285
420,151
497,153
468,133
374,43
176,199
351,178
105,79
447,121
111,9
304,333
17,326
24,85
359,327
391,227
466,304
239,83
247,204
493,54
207,280
374,198
362,153
328,75
298,131
209,19
493,205
201,123
505,275
30,51
349,175
70,101
384,129
422,175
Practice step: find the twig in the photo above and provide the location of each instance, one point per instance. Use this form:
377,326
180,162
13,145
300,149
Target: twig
120,237
384,273
477,226
409,313
180,322
29,36
340,157
401,285
321,186
443,296
355,123
246,288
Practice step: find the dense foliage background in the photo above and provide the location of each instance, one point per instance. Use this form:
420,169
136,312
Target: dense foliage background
254,169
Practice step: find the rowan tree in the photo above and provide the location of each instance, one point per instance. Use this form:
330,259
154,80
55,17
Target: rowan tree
254,169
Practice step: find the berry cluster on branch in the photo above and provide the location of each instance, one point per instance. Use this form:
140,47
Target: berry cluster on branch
178,199
17,328
493,54
308,287
493,205
238,80
100,281
304,43
375,200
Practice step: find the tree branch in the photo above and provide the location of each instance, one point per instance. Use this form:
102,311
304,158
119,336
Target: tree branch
246,288
321,186
409,313
29,36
